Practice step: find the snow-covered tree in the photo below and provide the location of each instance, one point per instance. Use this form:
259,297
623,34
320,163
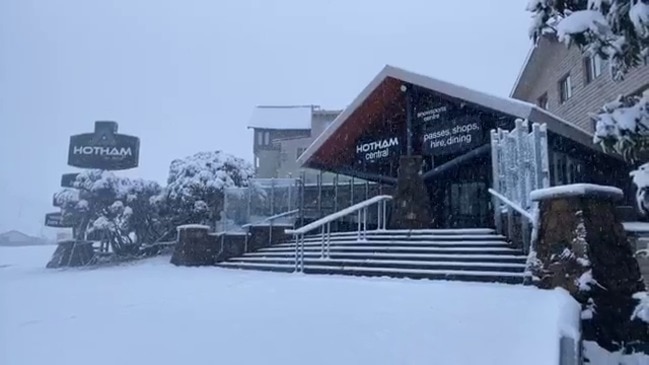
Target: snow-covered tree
196,184
617,31
117,209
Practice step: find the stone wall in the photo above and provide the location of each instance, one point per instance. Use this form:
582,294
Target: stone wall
196,246
582,247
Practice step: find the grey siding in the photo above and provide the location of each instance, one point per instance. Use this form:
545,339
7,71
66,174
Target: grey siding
551,61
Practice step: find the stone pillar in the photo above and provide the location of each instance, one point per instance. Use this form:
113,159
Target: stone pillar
411,203
582,247
195,246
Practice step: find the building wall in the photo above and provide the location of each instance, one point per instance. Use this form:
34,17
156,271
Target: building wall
267,152
552,61
278,158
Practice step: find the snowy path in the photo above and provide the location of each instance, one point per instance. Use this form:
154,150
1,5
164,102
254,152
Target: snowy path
154,313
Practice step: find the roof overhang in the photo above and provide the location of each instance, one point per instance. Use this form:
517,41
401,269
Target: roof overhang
384,89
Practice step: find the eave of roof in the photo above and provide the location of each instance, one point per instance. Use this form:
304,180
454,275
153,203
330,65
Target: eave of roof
508,106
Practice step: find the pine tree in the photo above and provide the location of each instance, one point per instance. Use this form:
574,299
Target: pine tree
617,31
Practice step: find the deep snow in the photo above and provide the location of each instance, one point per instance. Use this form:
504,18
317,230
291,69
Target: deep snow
154,313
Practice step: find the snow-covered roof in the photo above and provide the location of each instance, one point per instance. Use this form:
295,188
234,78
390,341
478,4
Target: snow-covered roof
508,106
281,117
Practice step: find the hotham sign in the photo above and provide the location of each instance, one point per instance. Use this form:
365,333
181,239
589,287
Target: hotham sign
450,136
374,151
104,149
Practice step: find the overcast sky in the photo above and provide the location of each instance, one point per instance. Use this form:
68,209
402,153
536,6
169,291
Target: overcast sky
184,75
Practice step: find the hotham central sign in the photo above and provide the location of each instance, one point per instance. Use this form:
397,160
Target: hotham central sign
104,149
374,151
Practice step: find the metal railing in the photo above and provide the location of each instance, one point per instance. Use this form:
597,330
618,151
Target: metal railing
526,237
269,220
324,224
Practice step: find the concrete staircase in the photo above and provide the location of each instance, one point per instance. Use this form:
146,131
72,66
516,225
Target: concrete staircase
441,254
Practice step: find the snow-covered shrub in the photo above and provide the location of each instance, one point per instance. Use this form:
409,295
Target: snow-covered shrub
117,209
196,185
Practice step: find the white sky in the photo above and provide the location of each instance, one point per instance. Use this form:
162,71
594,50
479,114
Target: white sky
184,75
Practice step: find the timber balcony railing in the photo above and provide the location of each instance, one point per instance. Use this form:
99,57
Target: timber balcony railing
324,224
526,238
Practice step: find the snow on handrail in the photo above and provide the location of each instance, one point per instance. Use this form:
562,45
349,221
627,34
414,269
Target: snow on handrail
332,217
272,218
516,207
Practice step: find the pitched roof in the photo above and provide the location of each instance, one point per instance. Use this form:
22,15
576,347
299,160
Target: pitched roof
281,117
508,106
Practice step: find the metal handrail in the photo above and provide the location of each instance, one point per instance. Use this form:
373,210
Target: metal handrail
325,225
516,207
527,238
273,218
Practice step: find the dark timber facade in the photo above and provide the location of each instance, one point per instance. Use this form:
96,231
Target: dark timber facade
402,114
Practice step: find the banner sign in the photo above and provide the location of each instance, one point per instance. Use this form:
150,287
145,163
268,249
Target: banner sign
104,149
55,220
378,150
67,180
444,137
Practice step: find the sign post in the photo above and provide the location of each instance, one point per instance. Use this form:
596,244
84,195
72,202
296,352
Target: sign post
67,180
104,149
56,220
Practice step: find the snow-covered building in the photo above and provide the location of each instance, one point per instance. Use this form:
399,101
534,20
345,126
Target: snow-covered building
401,113
570,83
282,134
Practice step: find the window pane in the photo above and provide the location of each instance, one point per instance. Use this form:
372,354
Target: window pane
267,138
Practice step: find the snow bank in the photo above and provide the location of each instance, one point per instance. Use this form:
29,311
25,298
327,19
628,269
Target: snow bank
600,356
576,190
152,312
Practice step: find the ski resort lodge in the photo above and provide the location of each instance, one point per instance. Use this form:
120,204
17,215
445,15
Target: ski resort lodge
401,113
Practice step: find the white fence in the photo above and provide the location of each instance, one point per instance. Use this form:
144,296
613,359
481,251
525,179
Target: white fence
520,164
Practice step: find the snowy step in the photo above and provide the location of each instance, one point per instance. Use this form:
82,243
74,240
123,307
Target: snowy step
475,237
405,249
430,265
402,256
483,276
477,244
417,232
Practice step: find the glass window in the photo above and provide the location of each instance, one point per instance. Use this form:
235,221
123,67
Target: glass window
266,138
593,67
565,89
300,151
260,138
567,169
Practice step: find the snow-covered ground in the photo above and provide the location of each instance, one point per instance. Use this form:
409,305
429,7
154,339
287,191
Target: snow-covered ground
154,313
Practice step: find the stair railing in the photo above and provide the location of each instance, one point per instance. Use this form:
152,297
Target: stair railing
526,237
270,220
324,224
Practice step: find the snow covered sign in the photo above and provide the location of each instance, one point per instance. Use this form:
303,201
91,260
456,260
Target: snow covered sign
55,220
104,149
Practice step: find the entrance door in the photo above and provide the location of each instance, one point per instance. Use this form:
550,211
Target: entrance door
467,205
